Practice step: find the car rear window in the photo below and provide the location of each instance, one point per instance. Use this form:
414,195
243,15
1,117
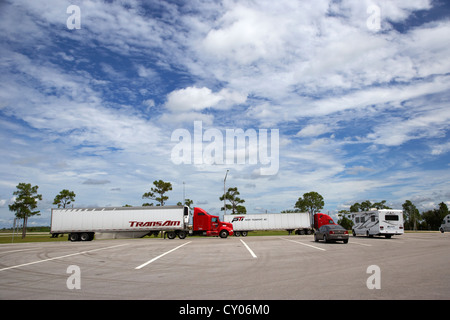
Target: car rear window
335,226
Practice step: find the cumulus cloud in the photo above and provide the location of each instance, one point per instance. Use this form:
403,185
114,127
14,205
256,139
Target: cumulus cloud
197,99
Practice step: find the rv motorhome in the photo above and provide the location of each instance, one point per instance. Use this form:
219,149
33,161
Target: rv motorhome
445,226
384,222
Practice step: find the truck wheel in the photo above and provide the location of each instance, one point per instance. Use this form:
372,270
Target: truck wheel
223,234
181,234
85,237
441,230
171,235
244,233
73,237
354,233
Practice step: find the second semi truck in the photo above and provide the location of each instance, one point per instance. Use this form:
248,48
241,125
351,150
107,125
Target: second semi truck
300,223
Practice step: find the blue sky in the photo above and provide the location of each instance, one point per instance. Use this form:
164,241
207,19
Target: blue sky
362,112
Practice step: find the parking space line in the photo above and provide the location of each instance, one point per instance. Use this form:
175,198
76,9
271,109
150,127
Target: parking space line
60,257
250,250
304,244
160,256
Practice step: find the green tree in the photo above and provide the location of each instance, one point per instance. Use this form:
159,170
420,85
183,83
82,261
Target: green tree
434,217
65,197
412,215
367,205
157,193
344,221
380,205
25,203
235,202
311,202
355,207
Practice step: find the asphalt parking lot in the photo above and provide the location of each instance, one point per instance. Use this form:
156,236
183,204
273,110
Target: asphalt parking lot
411,266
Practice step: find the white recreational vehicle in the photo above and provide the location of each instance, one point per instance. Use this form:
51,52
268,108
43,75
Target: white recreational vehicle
384,222
445,226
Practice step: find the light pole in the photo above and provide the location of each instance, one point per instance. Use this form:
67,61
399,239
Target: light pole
224,193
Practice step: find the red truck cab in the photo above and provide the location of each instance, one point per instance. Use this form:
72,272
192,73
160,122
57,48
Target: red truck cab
209,225
321,219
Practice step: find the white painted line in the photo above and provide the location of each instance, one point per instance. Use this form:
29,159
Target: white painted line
160,256
60,257
250,250
304,244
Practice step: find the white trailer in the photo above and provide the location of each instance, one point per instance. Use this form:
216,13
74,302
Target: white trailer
384,222
119,222
445,226
243,223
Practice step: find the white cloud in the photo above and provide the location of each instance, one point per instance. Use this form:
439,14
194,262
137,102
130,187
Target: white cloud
439,149
397,130
313,130
197,99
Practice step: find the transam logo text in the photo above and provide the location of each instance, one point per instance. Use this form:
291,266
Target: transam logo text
167,223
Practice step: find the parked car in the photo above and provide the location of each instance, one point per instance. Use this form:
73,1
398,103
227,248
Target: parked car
331,232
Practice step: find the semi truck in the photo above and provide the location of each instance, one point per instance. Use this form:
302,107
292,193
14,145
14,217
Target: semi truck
300,223
83,224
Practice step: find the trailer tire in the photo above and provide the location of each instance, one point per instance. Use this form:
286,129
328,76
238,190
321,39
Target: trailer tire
223,234
85,236
244,233
73,237
181,234
171,235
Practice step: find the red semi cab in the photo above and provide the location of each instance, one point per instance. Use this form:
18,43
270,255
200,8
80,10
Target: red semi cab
209,225
322,219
